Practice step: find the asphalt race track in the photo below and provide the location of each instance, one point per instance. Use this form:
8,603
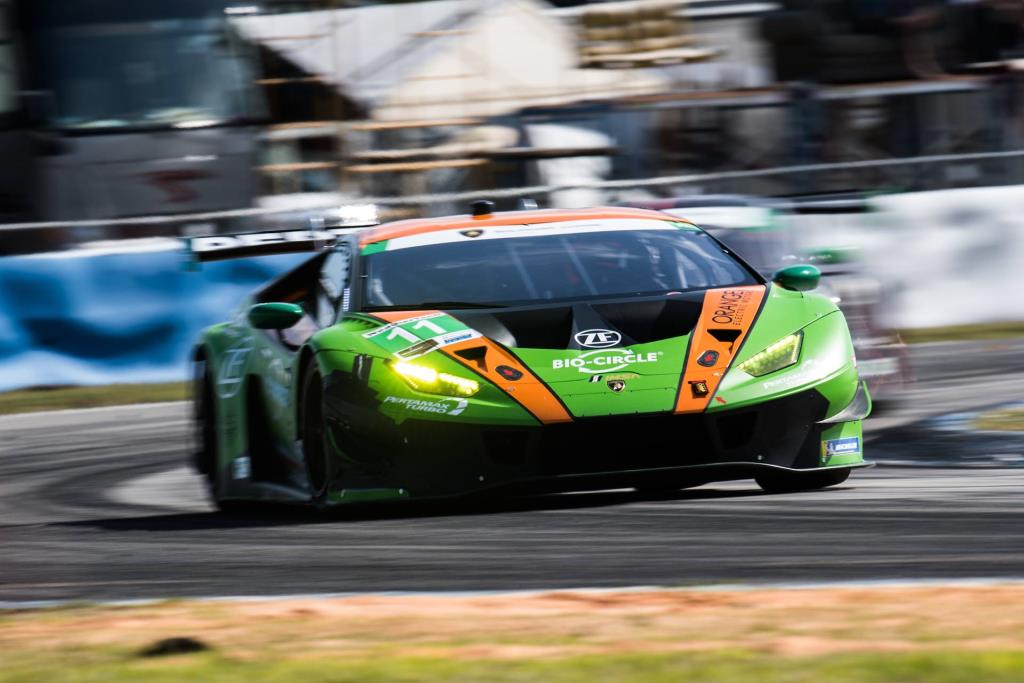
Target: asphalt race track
97,505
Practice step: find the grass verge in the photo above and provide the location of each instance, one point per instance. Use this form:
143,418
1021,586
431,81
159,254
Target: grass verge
733,666
1007,420
951,634
963,332
59,398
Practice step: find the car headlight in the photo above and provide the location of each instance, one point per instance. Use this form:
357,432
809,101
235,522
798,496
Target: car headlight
779,355
429,380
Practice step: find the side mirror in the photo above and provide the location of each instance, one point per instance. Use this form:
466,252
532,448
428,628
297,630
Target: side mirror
801,278
275,316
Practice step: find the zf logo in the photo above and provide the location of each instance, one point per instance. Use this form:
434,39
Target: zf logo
598,339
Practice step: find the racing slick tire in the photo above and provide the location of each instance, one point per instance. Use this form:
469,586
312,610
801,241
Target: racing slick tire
314,437
793,482
206,461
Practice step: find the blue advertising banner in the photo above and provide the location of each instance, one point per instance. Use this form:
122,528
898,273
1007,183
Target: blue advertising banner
100,317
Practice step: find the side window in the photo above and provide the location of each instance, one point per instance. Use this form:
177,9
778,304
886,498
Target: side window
8,67
332,284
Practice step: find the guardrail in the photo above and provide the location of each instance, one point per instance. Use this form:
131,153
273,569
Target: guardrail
681,180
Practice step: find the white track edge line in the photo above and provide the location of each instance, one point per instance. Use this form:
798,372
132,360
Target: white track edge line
98,409
977,582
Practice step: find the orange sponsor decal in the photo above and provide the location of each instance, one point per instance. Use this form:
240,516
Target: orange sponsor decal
506,372
724,323
500,367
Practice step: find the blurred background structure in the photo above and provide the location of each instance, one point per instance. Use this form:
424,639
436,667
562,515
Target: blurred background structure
125,125
118,110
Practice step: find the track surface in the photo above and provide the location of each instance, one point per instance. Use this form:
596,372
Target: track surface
97,505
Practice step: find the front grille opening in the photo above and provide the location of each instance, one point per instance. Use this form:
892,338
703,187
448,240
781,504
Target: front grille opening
736,431
615,445
506,448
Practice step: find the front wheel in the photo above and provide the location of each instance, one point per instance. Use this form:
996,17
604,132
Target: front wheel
792,482
314,448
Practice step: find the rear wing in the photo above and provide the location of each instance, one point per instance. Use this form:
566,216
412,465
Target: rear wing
318,236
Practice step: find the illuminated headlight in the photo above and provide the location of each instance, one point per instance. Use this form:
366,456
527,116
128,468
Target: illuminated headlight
779,355
429,380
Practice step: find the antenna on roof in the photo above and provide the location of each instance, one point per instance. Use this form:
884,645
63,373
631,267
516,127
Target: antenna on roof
482,207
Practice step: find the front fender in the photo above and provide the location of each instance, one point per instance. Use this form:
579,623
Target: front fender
826,363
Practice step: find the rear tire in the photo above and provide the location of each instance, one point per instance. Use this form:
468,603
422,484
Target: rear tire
314,437
793,482
206,459
204,435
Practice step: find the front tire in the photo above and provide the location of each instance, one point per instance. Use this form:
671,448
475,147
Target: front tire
314,437
793,482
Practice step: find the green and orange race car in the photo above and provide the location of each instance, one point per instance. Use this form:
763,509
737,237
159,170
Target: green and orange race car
523,351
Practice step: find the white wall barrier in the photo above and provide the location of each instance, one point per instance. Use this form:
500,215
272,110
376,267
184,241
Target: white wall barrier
949,257
108,316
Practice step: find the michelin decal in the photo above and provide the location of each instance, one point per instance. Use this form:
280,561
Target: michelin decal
838,447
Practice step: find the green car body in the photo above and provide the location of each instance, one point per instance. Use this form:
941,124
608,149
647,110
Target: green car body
311,395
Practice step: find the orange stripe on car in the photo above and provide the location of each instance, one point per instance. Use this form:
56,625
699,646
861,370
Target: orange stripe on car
419,226
519,382
724,323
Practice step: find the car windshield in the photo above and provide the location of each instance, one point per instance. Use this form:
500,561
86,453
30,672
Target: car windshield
548,262
9,69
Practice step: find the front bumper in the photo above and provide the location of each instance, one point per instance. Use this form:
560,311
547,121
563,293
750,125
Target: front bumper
429,458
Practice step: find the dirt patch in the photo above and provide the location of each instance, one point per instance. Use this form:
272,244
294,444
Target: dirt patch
797,622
